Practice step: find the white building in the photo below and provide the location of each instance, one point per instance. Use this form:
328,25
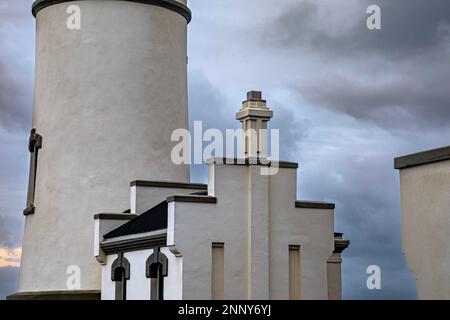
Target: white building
425,202
243,236
103,96
107,98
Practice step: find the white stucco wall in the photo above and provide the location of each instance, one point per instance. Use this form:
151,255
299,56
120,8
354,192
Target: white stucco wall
144,198
311,229
257,226
173,283
139,286
108,287
425,202
196,226
102,227
107,98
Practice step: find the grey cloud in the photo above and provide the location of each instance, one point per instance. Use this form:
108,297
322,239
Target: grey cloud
10,231
14,162
409,27
396,284
292,129
396,77
365,191
9,278
15,101
16,90
407,98
215,110
208,104
16,86
16,55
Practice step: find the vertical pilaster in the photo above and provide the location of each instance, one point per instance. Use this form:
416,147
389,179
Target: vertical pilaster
258,235
334,277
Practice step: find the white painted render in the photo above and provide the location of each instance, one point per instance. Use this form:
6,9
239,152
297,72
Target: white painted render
144,198
107,98
256,218
102,227
139,286
425,202
108,287
173,283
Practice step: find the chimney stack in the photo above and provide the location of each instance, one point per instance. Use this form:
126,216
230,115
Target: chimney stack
254,116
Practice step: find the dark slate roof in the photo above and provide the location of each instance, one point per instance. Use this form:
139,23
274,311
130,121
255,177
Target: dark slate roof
151,220
199,193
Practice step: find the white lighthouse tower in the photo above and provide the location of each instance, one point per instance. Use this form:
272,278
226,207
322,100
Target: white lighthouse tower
108,95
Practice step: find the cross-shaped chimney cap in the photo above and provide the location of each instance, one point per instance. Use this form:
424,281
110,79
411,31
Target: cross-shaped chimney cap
254,95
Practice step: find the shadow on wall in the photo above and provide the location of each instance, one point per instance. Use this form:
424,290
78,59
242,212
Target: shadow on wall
9,278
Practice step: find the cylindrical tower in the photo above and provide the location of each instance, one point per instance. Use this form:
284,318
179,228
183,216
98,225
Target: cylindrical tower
107,97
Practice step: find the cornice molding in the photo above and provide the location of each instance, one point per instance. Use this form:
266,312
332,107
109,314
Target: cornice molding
314,205
172,5
422,158
169,184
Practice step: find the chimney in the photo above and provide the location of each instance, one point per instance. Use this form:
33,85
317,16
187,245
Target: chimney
254,116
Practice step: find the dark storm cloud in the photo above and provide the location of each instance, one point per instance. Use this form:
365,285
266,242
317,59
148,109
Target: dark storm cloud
16,90
292,129
365,190
14,159
410,97
209,105
16,52
9,277
15,101
10,231
396,77
206,104
408,27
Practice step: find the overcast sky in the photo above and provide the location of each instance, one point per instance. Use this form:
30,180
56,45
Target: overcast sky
347,100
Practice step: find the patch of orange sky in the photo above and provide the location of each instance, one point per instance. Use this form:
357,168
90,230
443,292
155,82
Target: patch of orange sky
10,257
